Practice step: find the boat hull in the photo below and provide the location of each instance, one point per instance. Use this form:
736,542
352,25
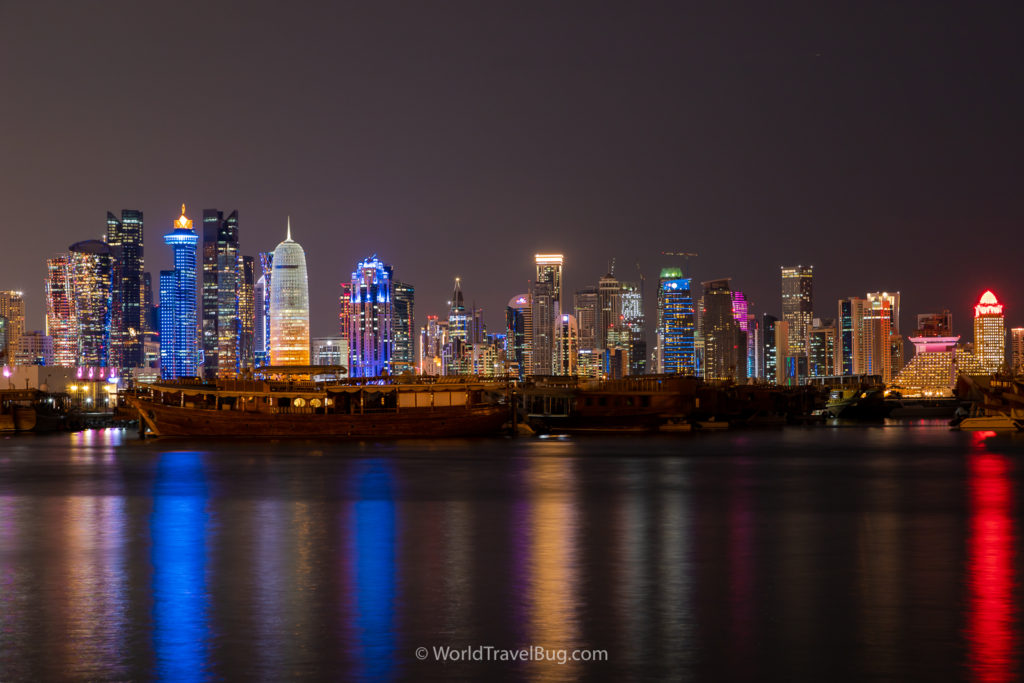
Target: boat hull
995,423
166,420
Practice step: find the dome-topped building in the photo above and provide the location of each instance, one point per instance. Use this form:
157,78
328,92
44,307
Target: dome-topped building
289,304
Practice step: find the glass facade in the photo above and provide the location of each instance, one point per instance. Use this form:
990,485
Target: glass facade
289,305
798,306
61,325
403,358
371,342
989,333
128,315
676,323
179,343
221,283
93,278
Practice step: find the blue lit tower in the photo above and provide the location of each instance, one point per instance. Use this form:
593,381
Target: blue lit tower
262,309
178,322
371,343
676,323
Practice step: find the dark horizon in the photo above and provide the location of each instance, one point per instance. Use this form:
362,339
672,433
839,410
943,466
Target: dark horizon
880,144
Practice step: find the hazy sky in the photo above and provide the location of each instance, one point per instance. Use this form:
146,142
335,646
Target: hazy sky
880,142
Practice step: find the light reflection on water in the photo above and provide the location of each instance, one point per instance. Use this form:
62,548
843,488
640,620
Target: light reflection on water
798,554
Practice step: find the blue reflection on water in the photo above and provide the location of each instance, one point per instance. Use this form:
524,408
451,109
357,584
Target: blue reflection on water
374,569
180,601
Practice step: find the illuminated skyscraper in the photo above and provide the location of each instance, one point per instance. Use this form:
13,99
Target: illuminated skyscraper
179,333
12,307
289,305
546,302
261,299
989,333
798,306
566,346
519,321
221,273
768,322
881,344
676,323
403,358
5,327
61,324
371,344
127,315
93,278
822,354
1017,350
432,340
246,312
725,344
634,325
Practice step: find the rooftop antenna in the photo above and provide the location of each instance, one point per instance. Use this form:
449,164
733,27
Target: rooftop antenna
686,258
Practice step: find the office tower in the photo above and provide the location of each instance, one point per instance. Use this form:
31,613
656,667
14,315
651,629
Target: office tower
61,325
798,306
12,307
246,353
676,323
261,298
93,276
768,322
37,348
989,333
725,344
5,328
179,342
634,324
289,304
822,352
741,313
220,295
149,323
934,324
882,344
785,365
432,341
566,346
546,302
329,351
519,324
403,327
585,303
477,326
609,309
371,342
1017,350
127,315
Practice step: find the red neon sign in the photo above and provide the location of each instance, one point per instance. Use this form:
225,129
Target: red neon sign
988,305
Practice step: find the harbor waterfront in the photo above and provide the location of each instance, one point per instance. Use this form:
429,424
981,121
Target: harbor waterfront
888,552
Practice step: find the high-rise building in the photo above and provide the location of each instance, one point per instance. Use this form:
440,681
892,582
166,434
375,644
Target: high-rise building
741,312
61,325
5,328
634,326
457,334
246,354
989,333
289,304
329,351
881,344
725,344
519,323
785,365
261,298
432,341
371,341
609,310
934,324
798,306
933,371
12,307
94,274
1017,350
403,328
585,303
220,294
546,301
37,347
127,314
179,331
566,346
768,322
676,323
822,353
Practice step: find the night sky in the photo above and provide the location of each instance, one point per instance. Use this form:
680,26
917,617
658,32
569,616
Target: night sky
880,142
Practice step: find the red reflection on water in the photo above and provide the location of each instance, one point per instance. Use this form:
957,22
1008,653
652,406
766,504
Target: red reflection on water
990,633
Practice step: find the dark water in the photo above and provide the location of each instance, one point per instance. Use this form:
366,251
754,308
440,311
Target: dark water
805,554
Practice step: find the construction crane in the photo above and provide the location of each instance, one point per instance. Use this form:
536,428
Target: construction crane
686,258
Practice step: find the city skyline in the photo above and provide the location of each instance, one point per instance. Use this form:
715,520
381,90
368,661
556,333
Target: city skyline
756,139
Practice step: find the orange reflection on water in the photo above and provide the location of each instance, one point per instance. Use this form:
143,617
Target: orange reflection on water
553,622
990,632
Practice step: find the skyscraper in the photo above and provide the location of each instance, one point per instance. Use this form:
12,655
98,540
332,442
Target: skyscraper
289,304
566,346
519,321
1017,349
371,342
725,344
676,323
61,325
989,333
403,358
93,279
12,307
179,343
128,323
822,354
261,297
798,308
220,294
634,325
882,345
768,322
546,301
246,312
432,340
